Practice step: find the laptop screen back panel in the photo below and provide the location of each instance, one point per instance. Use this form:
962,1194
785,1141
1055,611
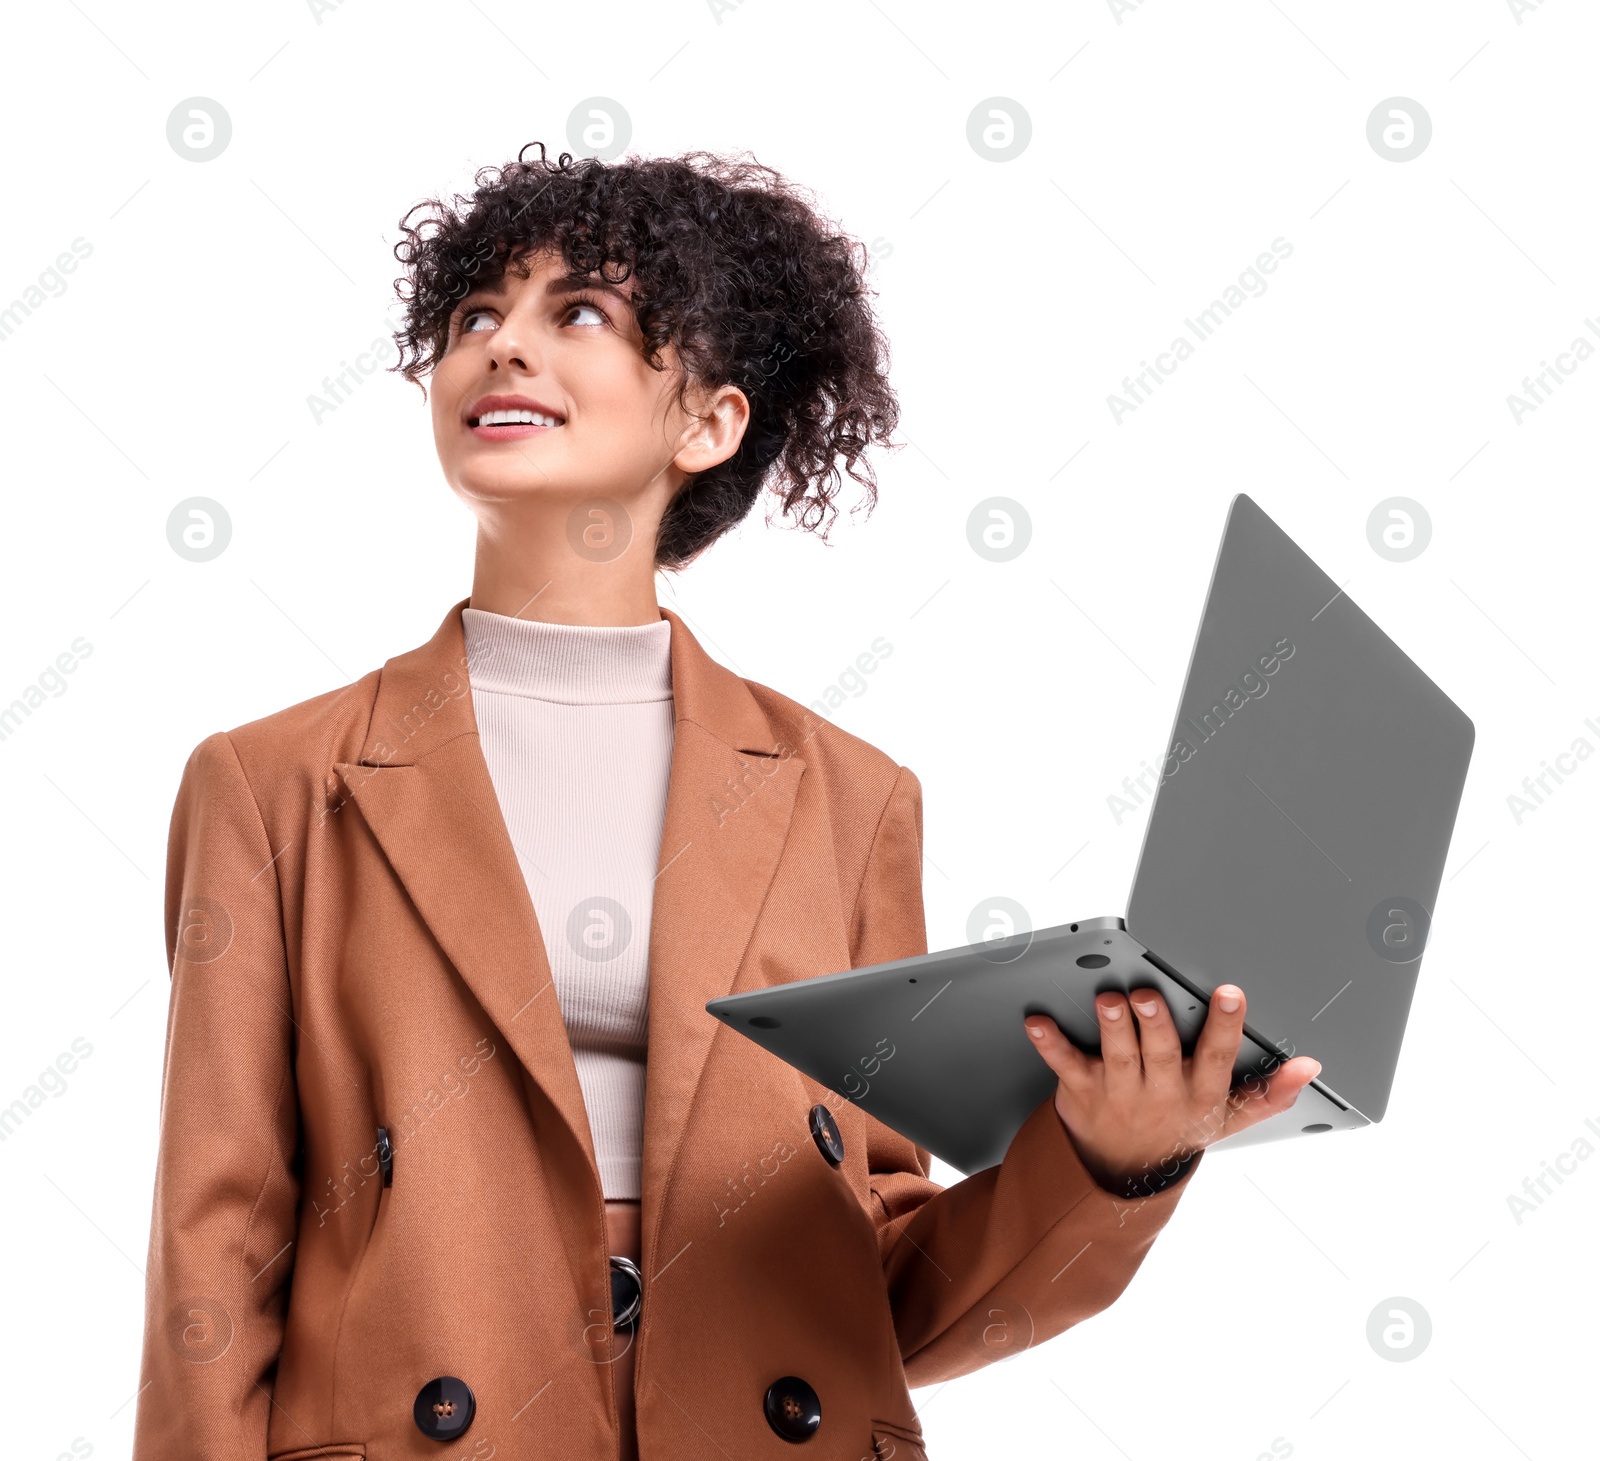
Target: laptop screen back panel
1299,830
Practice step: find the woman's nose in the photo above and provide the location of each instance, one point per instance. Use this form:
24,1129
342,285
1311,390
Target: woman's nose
510,347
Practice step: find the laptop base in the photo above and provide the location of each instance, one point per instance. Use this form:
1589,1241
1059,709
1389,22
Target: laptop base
947,1061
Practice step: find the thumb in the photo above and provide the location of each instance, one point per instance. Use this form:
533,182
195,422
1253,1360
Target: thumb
1281,1090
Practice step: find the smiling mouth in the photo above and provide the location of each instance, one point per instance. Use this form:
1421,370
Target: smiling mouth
514,422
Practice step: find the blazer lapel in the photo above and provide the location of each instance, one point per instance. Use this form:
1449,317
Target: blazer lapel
422,785
730,801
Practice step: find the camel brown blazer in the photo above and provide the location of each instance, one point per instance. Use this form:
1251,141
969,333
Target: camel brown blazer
352,945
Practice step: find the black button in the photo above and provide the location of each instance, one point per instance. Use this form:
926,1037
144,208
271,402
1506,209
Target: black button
443,1408
825,1132
386,1156
793,1409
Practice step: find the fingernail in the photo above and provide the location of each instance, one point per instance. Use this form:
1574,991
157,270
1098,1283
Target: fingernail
1227,999
1037,1031
1317,1071
1145,1009
1111,1011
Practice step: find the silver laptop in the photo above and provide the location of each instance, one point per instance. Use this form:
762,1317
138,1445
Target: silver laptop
1294,847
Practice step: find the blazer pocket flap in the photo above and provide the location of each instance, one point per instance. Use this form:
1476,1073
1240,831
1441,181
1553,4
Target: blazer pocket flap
333,1451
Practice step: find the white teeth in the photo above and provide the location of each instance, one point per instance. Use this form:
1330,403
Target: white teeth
516,418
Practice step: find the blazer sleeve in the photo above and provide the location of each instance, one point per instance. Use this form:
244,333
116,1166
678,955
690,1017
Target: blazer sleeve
227,1186
1010,1256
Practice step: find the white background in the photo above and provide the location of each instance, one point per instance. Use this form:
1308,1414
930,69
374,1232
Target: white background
1169,147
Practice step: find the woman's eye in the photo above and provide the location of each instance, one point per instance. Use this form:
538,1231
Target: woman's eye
467,321
600,314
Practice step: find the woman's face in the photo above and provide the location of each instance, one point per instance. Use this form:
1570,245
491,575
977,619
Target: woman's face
542,393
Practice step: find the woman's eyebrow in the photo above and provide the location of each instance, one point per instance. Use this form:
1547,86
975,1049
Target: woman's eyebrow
572,283
480,291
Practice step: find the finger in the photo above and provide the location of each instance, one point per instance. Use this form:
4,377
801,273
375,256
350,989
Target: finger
1217,1050
1119,1042
1160,1050
1259,1100
1073,1068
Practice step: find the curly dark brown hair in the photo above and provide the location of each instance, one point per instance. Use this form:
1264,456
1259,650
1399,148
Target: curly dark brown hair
734,268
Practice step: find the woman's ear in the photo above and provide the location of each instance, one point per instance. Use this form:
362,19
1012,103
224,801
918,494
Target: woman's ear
714,431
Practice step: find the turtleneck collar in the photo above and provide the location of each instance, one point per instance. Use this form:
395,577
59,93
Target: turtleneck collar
571,664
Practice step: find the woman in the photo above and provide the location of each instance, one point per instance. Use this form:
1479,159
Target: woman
508,1231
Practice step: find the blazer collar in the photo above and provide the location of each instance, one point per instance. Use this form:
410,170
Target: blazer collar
422,785
410,720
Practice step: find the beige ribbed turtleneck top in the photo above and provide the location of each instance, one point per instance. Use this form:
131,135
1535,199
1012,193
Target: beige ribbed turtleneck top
576,724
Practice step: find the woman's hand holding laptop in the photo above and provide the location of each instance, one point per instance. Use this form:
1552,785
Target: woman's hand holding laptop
1142,1102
